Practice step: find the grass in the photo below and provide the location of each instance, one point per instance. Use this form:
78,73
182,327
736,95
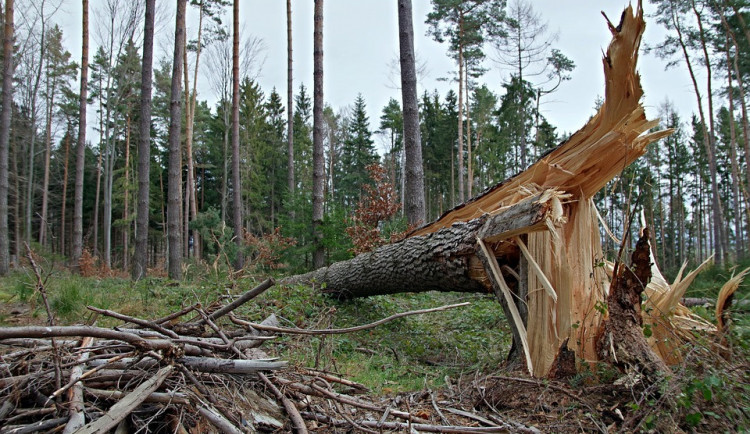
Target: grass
408,354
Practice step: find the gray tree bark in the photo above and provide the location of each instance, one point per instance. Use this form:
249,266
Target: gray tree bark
140,256
318,124
414,194
81,148
7,109
236,184
174,238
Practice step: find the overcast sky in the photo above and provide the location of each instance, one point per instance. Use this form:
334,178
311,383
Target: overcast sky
361,40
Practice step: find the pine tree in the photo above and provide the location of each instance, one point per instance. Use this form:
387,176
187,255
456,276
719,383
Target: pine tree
357,153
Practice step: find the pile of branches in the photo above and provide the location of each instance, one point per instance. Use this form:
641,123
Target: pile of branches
186,373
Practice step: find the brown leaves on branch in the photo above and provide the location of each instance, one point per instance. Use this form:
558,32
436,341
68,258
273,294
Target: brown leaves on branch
378,204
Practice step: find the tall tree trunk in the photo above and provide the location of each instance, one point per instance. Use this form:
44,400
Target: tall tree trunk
470,169
290,105
239,260
51,90
126,200
742,99
63,214
414,182
175,152
460,111
720,231
191,205
140,257
708,141
99,169
28,229
81,147
318,125
734,160
224,179
7,109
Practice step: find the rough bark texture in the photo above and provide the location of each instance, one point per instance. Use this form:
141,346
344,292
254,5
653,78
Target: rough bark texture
414,203
437,262
5,135
622,340
81,148
318,134
140,258
441,261
174,238
239,260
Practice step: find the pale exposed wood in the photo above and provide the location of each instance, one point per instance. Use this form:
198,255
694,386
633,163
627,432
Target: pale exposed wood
159,397
538,270
219,421
123,407
201,364
499,282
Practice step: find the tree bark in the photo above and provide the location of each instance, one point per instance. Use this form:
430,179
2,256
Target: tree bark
622,340
239,260
81,147
318,125
460,110
414,187
175,152
140,256
441,261
7,109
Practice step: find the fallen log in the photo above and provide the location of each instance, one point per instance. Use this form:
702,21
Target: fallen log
441,261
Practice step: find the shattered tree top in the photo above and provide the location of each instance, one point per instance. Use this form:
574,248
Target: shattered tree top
610,141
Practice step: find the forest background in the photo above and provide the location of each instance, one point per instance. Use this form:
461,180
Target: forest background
692,185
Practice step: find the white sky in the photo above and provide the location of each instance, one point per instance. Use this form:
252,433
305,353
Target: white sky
361,39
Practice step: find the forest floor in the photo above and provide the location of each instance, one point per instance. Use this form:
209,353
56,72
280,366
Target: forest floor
436,364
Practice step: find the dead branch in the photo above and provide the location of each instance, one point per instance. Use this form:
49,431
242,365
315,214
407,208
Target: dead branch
348,329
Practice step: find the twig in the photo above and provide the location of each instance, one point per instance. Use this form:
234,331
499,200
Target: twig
323,393
398,426
437,409
249,295
138,321
297,423
84,375
50,317
218,331
45,425
176,315
470,415
348,329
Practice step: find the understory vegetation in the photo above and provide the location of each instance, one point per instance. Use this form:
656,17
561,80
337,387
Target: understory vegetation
435,351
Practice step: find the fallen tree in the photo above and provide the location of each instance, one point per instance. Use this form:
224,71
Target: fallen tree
533,239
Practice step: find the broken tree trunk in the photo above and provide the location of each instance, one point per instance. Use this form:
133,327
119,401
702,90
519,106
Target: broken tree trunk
441,261
621,339
533,238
